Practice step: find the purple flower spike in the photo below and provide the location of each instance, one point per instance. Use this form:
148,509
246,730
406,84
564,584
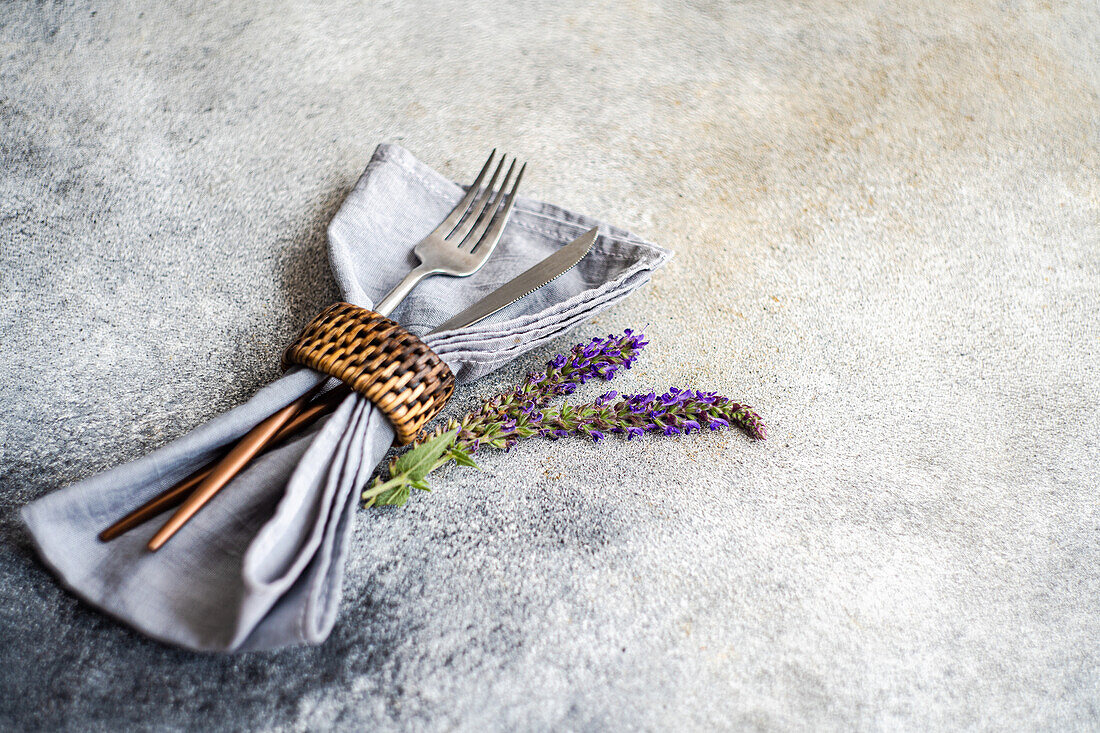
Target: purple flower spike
677,412
524,412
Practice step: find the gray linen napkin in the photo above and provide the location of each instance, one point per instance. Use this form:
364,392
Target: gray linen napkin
261,566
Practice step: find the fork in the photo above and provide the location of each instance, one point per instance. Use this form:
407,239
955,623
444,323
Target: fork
458,247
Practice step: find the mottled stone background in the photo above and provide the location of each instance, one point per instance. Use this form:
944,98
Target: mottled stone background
886,220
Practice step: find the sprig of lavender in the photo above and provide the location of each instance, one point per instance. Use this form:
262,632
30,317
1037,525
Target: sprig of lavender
510,416
516,414
524,413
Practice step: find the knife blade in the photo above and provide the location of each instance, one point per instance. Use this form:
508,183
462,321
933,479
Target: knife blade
522,285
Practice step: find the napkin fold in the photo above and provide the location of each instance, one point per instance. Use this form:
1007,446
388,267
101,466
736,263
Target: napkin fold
261,567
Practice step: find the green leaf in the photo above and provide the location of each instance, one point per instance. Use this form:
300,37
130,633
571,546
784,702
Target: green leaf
420,460
462,457
396,496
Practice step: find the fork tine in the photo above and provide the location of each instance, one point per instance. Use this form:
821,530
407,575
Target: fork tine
467,223
483,221
489,239
460,208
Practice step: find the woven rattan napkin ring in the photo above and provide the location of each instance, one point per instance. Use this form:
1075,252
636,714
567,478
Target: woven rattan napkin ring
378,359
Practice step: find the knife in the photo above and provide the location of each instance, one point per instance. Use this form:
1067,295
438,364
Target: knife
551,268
519,287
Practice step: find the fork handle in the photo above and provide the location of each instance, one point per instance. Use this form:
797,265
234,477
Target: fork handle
395,296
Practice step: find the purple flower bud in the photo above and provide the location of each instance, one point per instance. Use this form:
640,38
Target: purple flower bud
672,397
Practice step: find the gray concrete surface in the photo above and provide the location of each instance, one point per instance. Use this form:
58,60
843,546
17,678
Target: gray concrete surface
887,226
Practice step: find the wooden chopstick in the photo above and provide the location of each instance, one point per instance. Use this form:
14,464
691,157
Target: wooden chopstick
226,469
169,499
176,495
